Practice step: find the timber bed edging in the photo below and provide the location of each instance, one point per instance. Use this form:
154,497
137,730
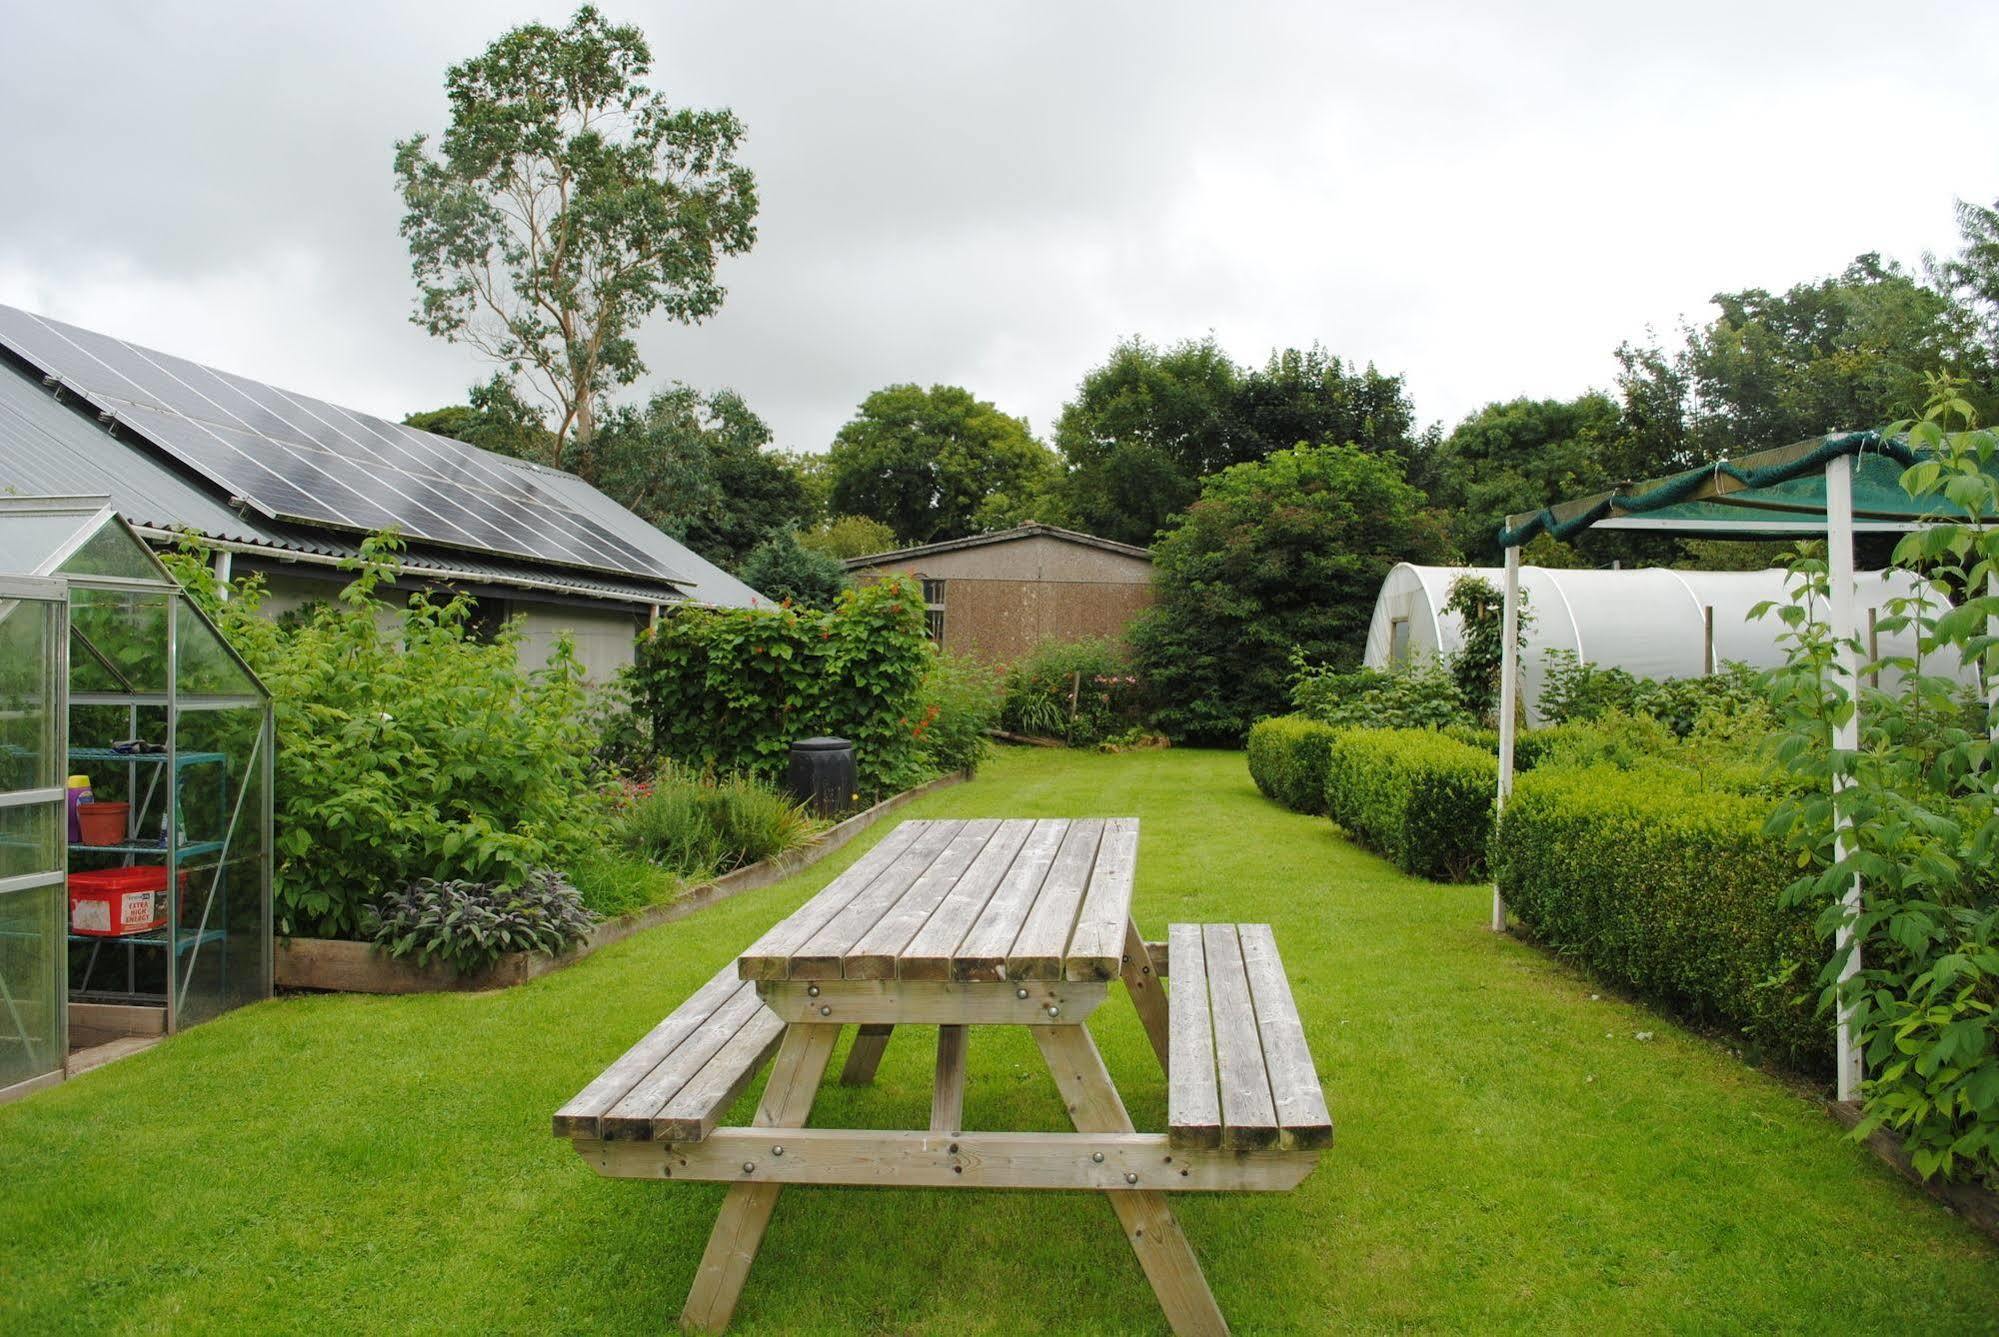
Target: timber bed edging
339,966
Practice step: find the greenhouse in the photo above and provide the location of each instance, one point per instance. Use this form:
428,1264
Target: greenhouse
1650,621
135,796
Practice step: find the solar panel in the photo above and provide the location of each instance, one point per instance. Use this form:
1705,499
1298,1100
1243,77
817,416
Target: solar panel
292,457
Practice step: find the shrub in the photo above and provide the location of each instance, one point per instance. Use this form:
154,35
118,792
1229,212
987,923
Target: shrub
959,703
470,925
1422,695
1415,796
1658,881
783,570
407,746
1284,554
1081,692
696,827
728,690
1287,759
1573,691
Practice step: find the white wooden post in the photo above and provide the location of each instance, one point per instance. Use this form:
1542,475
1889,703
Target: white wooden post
1845,736
224,564
1509,703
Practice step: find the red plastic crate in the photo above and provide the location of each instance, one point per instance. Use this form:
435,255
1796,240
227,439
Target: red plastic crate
118,902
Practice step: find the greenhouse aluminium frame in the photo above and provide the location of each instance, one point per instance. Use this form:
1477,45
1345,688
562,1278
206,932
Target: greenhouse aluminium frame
1838,485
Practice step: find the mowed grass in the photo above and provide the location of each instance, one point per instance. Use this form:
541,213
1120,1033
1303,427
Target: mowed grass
1509,1154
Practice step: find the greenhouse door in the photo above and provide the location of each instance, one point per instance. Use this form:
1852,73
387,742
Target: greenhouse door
34,832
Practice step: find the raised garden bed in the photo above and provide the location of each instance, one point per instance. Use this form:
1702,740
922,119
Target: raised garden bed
331,964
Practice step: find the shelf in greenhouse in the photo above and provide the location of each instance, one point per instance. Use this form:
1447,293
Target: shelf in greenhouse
112,754
193,851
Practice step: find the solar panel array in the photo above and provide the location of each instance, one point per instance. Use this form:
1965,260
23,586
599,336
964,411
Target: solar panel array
291,457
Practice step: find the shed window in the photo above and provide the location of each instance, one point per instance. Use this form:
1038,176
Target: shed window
933,608
1398,641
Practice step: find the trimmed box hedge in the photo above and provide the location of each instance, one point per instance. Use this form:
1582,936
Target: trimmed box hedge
1658,880
1419,797
1287,759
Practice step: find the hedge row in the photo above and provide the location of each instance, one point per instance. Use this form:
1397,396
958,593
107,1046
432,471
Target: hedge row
1420,798
1287,759
1655,880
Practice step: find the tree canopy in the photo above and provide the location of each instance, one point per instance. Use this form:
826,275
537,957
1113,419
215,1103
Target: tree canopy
566,202
1519,456
923,462
1277,557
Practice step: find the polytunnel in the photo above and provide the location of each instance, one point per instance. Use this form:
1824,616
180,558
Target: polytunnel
1649,621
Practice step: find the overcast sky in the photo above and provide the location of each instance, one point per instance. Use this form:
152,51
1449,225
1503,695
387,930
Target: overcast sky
1485,197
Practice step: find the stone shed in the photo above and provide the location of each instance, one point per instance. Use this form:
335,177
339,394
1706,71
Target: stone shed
997,596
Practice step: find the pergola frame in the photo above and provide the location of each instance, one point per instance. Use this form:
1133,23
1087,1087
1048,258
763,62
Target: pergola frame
1732,499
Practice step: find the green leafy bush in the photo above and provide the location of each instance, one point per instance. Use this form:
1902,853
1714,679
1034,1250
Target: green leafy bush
470,925
1287,759
407,746
1081,692
959,703
1573,691
1422,695
783,570
1658,881
1421,799
696,827
728,690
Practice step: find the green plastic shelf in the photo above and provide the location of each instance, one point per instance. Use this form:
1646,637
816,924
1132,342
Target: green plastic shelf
194,851
108,754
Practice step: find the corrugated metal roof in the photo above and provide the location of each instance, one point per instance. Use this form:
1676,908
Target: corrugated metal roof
1033,529
52,448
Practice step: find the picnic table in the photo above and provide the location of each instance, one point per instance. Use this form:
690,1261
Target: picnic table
955,924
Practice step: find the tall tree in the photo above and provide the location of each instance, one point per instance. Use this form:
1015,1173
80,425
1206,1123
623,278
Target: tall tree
493,418
1520,456
1972,274
1285,554
1310,395
567,202
924,461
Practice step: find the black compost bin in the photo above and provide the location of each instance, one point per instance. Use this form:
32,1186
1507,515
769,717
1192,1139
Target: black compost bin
822,775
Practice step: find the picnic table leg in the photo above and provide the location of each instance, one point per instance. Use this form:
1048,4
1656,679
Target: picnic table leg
866,1055
947,1101
795,1075
1148,994
1163,1251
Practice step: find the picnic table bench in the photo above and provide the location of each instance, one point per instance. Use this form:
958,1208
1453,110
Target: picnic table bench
955,924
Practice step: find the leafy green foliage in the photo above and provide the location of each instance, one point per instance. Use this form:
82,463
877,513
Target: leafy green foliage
1474,666
1081,692
1573,691
1911,815
494,417
696,827
407,747
1420,695
1662,883
1278,558
1146,427
785,571
1287,759
923,462
470,925
1419,798
567,202
728,690
850,536
960,701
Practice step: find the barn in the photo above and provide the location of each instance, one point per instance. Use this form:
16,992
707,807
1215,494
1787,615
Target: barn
996,596
286,485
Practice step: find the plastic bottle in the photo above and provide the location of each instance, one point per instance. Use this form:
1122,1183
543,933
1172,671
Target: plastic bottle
79,793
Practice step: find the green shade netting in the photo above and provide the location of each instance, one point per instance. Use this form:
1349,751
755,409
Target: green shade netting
1769,494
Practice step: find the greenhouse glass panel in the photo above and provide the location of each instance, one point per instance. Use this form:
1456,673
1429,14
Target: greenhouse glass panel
208,667
118,640
32,1004
33,1026
220,926
31,693
115,551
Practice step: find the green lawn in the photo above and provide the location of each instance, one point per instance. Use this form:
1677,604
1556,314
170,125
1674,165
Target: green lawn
1510,1153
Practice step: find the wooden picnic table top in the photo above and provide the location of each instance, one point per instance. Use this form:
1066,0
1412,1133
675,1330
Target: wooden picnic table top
959,901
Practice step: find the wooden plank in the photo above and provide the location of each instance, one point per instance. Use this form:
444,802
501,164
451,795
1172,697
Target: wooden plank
944,1158
1162,961
1249,1119
1149,1224
1096,948
947,1098
1302,1118
930,1003
1148,995
739,1227
1193,1101
768,955
981,952
632,1114
927,955
579,1118
1044,935
874,956
869,1044
694,1110
819,956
